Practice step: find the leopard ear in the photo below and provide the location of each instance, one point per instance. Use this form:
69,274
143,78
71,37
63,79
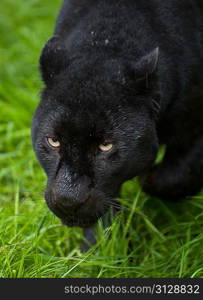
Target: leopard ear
144,72
53,59
148,64
146,79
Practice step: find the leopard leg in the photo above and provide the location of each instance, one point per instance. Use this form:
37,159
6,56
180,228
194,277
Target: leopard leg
180,174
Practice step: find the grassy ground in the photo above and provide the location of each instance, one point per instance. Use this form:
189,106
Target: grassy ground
150,238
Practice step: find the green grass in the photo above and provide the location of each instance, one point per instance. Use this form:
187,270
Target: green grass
150,238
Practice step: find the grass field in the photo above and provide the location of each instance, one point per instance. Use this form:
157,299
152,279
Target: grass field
149,238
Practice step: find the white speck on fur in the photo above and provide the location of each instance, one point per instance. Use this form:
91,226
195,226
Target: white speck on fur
106,42
123,81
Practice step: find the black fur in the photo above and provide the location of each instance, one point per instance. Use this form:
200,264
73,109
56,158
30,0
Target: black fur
130,73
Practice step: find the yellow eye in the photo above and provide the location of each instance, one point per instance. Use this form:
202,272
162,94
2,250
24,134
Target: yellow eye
53,142
105,147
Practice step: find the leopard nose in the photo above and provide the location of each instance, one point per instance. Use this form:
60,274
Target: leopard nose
70,202
70,195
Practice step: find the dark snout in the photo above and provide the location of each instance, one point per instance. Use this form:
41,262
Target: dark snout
71,199
77,204
71,193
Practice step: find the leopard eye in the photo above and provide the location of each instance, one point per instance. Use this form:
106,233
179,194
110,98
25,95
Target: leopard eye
104,147
53,142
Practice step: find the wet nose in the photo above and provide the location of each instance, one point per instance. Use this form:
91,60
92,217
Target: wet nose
73,193
70,202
